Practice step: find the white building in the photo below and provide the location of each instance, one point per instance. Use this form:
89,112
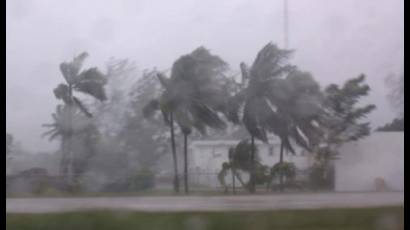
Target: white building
380,155
207,157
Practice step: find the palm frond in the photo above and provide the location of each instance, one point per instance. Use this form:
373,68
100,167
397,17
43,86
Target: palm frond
67,72
165,82
55,135
92,82
81,106
287,145
184,120
300,138
48,125
78,62
233,107
49,132
71,69
268,61
149,109
200,127
245,73
202,113
252,122
62,93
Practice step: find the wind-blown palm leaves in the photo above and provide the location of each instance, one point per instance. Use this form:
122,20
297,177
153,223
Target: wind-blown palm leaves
277,99
240,160
397,125
81,127
340,122
163,104
341,116
90,82
193,96
298,101
61,127
396,94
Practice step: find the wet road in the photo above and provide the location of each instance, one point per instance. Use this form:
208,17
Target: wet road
204,203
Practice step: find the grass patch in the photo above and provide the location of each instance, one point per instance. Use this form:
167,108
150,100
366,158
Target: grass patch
387,218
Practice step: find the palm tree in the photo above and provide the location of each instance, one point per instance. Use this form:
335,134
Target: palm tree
193,97
165,105
341,119
252,105
240,160
298,99
270,101
62,127
90,82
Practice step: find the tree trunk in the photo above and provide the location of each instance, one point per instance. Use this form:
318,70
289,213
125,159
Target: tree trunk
174,155
63,161
281,182
69,149
233,179
252,187
186,163
238,176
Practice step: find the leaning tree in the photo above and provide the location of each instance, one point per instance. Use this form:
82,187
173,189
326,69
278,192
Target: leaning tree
192,98
341,121
88,81
396,94
77,133
396,99
276,98
240,161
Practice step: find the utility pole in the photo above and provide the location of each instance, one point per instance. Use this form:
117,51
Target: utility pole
286,24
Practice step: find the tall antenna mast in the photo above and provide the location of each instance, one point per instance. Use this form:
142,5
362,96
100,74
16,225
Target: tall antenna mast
286,23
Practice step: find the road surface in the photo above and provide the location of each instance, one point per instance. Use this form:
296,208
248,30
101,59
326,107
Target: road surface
204,203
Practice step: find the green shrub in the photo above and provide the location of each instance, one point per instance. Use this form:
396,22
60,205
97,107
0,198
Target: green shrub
287,169
321,177
143,180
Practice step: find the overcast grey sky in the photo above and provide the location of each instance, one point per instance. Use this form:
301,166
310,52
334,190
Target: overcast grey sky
333,39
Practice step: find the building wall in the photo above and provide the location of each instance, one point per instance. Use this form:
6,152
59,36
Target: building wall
380,155
207,157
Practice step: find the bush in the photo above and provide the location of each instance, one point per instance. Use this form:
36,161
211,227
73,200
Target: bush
143,180
117,186
48,190
321,177
33,185
287,169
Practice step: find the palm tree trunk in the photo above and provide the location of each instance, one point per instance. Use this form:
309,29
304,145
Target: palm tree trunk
69,150
252,181
233,179
63,161
174,154
282,148
186,163
238,176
